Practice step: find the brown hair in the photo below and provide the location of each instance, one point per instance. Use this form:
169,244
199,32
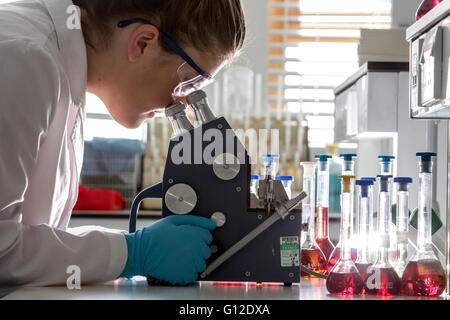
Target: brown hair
213,25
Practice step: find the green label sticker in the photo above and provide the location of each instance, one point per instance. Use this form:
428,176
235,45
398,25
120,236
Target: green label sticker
290,251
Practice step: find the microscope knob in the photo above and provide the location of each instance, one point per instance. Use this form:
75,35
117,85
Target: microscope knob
219,218
226,166
181,199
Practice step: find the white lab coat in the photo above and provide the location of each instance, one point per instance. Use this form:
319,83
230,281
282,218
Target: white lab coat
43,70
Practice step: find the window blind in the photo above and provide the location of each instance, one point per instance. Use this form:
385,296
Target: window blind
312,49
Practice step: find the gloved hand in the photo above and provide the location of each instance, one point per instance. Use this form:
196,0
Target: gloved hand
173,249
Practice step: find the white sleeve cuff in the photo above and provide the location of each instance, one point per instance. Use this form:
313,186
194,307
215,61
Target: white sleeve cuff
118,256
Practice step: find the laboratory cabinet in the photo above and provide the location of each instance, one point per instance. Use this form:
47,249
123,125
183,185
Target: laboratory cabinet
367,102
429,85
429,40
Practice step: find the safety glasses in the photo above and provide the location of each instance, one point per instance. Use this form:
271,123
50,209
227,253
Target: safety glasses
191,76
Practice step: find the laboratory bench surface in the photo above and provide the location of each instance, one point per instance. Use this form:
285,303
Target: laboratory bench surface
137,289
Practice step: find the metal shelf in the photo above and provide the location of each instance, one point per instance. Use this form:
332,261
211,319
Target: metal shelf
438,111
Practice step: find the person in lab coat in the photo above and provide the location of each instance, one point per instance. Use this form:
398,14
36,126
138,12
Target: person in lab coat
138,57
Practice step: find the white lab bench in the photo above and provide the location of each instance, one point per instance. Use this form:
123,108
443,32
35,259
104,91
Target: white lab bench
137,289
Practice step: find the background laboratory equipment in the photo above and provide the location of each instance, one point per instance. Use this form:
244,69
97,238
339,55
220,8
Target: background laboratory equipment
381,277
402,223
323,183
364,207
312,256
424,274
344,278
287,184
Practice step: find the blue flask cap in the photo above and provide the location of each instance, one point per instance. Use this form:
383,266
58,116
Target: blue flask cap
426,165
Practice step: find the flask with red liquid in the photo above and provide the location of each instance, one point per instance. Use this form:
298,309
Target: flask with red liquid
312,256
382,279
348,169
344,278
426,6
424,274
402,223
323,195
364,207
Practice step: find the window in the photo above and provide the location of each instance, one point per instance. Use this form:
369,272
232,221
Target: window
100,124
312,49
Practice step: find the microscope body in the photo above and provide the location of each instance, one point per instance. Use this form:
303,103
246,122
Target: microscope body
207,174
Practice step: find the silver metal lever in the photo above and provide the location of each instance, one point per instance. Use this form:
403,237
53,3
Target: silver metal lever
282,210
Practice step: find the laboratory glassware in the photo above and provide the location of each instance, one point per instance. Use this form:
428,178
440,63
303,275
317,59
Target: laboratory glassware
323,193
373,238
381,277
426,6
364,207
424,274
387,169
402,223
348,168
344,278
287,184
312,256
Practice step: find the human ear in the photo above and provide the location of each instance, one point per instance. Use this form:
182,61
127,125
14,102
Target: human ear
141,39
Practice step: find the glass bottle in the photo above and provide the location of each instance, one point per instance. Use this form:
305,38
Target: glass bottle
424,274
323,193
312,256
381,277
344,278
402,223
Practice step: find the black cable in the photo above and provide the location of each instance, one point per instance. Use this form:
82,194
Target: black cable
313,273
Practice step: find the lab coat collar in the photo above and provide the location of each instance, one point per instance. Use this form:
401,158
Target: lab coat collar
71,46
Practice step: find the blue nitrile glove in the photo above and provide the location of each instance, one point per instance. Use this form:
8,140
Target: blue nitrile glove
173,250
